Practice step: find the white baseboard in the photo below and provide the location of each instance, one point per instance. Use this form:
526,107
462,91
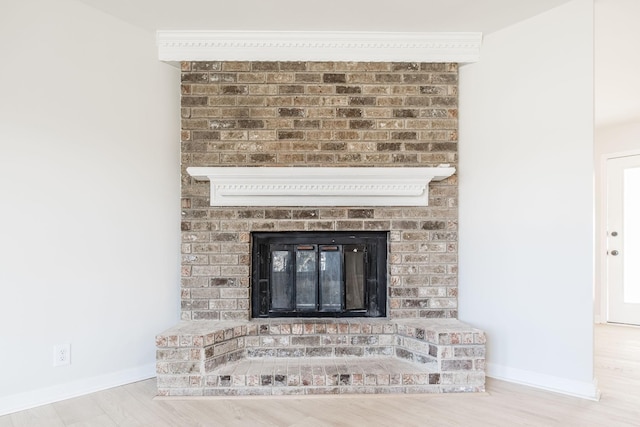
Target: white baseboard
582,389
44,396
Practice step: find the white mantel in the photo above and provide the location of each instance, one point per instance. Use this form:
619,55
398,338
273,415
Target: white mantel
320,186
461,47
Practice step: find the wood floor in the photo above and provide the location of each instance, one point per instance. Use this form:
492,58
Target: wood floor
617,365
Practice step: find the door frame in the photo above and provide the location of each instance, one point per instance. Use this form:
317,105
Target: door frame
602,232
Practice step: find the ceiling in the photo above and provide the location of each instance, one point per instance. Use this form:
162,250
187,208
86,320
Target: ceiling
484,16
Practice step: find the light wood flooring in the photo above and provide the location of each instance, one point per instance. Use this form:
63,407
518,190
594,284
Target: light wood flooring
617,364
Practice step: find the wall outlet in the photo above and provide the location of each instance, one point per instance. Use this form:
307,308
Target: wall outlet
62,355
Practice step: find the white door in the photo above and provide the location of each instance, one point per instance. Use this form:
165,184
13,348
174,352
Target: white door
623,240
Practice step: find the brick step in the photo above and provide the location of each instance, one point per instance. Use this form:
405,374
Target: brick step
320,356
335,375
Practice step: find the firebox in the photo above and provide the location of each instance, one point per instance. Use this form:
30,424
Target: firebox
319,274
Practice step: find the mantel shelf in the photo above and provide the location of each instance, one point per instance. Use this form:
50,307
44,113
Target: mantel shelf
320,186
462,47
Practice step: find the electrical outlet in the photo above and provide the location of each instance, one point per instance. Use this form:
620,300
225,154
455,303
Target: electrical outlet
62,355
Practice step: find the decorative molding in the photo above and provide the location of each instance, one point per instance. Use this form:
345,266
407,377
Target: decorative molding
317,46
320,186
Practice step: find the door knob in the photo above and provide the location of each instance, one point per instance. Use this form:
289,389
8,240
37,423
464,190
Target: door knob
614,233
614,252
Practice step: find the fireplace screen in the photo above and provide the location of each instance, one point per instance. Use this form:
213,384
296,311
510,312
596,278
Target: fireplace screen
319,274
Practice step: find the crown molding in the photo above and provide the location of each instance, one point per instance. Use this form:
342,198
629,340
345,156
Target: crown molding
317,46
319,186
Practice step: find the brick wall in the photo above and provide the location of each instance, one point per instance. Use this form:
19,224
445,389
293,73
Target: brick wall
318,114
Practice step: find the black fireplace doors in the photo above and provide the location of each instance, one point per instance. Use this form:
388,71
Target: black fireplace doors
319,274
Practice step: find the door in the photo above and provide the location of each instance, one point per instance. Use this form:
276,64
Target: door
623,240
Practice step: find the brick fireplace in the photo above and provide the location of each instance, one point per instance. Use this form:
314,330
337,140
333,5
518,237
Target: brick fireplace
319,114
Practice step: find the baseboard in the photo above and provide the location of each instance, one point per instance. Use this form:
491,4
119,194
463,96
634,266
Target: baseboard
582,389
44,396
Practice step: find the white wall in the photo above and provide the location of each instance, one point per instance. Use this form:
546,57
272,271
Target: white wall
617,102
526,199
89,189
617,87
613,139
618,138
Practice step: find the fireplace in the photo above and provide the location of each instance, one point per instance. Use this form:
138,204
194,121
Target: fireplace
319,274
319,232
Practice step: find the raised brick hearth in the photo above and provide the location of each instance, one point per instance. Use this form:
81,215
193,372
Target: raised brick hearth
319,114
320,356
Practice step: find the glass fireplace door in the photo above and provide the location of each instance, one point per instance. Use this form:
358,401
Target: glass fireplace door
354,278
306,283
281,291
334,276
330,278
327,277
